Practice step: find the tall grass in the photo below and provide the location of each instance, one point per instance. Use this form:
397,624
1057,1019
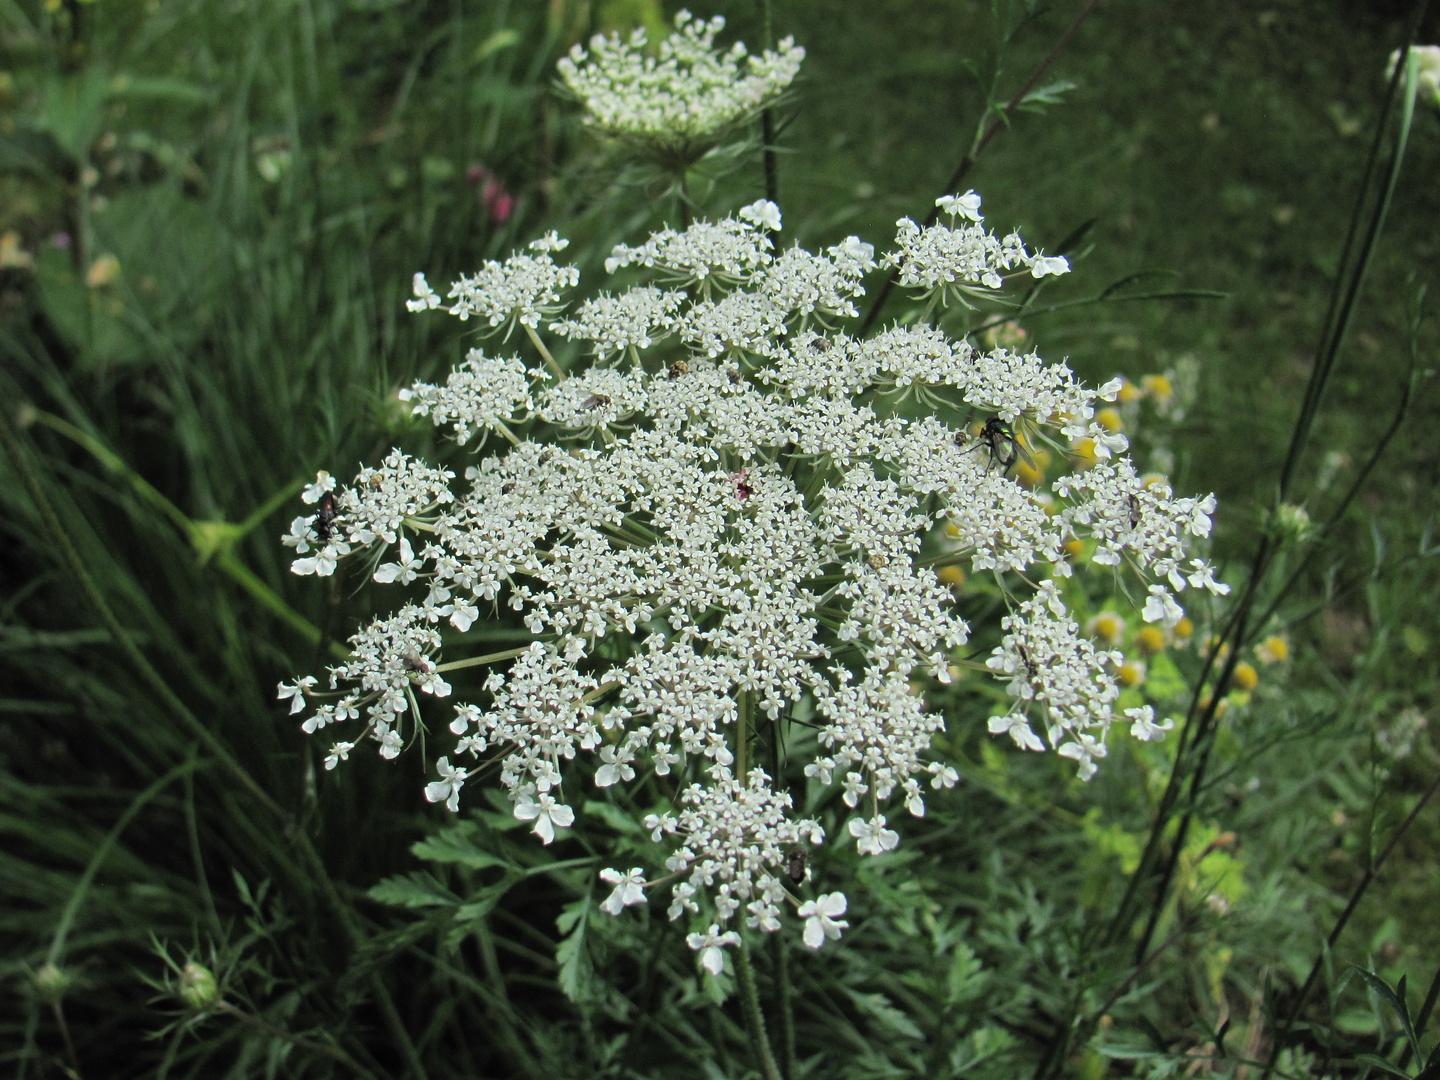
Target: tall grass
270,175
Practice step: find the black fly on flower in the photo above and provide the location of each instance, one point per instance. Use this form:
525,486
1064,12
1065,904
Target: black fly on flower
999,438
325,516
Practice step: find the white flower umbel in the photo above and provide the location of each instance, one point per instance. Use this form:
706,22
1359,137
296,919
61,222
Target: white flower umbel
961,259
685,99
722,518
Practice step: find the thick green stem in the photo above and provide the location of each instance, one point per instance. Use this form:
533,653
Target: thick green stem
549,362
754,1022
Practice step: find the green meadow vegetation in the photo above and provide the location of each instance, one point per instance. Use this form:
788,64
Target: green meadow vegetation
210,215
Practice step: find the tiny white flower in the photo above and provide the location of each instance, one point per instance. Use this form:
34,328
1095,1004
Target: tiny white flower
403,570
551,241
301,535
1161,607
390,743
1085,749
629,889
425,297
763,213
710,945
1016,726
1111,390
296,693
822,922
1203,577
1143,726
1049,264
967,205
338,753
323,482
448,786
547,813
872,837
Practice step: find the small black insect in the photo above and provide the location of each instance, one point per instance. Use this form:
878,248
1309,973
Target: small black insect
1030,668
678,368
734,376
595,401
418,664
1134,512
325,517
795,865
999,438
507,487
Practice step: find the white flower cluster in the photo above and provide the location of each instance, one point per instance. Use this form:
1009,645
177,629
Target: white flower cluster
522,289
1427,71
691,93
954,259
733,505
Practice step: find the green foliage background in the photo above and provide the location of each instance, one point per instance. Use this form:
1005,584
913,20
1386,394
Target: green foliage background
269,173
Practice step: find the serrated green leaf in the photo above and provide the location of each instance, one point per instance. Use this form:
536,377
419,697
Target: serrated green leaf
571,953
880,1008
454,845
414,890
613,816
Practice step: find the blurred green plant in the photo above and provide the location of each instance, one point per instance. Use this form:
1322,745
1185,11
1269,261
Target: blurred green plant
209,220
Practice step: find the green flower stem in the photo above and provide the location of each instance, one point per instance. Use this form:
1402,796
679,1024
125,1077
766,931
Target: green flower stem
243,576
544,352
213,541
334,1053
746,702
767,117
488,658
514,439
172,702
754,1022
790,1066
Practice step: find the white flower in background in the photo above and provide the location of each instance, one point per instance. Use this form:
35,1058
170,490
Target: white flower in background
524,289
1143,726
955,260
483,393
822,922
1427,76
629,889
723,517
711,945
447,788
295,694
692,93
544,810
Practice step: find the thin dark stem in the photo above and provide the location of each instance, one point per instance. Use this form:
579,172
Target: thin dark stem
1347,286
1236,630
334,1053
1381,444
767,118
1356,896
1422,1019
74,1061
968,161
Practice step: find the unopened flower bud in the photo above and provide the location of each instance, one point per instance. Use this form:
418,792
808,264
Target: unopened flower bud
198,988
51,982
